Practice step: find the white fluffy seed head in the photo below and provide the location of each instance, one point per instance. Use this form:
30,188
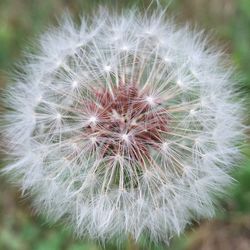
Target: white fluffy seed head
126,126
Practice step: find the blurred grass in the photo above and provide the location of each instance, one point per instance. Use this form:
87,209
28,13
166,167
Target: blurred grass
20,21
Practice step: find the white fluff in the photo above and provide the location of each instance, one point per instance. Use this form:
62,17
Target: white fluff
67,176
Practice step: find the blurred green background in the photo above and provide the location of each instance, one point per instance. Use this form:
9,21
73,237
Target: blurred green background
229,21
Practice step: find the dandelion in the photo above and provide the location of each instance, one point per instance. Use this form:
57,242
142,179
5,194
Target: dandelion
127,125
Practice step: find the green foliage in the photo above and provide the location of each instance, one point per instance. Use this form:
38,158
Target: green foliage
241,193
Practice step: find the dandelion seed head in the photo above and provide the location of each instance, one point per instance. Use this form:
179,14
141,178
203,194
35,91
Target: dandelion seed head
125,126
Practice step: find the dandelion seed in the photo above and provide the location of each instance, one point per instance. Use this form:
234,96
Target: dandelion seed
74,84
192,112
93,139
107,68
58,116
150,100
125,137
93,119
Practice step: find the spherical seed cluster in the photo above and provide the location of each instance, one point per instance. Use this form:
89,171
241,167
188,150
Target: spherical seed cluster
123,126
